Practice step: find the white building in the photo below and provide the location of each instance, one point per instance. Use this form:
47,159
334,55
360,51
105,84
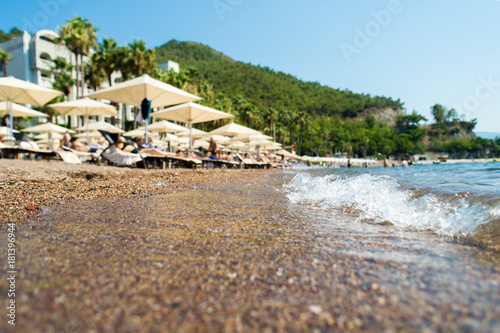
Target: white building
168,65
32,61
32,55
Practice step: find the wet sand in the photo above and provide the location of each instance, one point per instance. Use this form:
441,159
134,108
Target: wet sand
227,252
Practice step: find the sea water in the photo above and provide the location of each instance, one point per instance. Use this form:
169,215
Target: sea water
456,200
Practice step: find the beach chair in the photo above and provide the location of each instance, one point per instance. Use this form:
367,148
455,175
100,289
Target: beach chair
30,150
10,152
250,163
114,155
84,156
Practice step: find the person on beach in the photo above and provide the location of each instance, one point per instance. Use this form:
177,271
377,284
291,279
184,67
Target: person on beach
66,141
137,147
78,146
213,147
386,162
264,158
349,164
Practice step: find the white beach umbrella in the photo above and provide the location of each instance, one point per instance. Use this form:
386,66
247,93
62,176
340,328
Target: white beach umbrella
165,126
19,111
18,91
49,128
93,134
233,130
255,137
170,137
139,132
194,132
101,125
145,88
84,107
6,131
55,136
191,113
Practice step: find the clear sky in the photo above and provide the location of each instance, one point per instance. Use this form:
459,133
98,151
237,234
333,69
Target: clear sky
422,52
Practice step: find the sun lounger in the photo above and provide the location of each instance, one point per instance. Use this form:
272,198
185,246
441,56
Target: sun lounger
84,156
118,157
10,152
168,162
250,163
210,163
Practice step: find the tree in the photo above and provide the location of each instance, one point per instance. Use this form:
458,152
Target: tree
410,120
123,62
94,73
79,36
4,58
439,113
142,60
106,57
63,80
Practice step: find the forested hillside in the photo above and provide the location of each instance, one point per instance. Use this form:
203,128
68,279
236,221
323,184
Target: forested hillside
264,87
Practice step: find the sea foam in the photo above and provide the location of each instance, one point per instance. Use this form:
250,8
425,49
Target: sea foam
381,199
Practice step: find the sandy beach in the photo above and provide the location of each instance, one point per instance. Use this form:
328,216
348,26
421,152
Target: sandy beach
130,250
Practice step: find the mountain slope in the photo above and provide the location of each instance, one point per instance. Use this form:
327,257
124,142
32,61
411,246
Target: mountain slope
265,87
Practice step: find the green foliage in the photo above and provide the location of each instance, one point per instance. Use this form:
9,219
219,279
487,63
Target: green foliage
264,87
13,33
439,112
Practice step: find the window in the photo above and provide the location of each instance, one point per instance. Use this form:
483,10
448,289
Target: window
45,56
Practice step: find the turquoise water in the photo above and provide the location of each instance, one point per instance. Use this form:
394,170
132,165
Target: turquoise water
455,200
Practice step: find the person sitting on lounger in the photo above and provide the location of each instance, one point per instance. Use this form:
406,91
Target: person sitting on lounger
263,158
78,146
136,147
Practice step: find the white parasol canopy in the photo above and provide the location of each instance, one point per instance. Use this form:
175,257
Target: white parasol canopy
191,113
134,91
101,125
164,126
84,107
18,91
232,130
19,111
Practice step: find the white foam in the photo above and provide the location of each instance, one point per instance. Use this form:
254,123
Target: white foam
379,199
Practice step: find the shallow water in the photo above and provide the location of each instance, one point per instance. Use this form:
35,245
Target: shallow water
459,201
242,257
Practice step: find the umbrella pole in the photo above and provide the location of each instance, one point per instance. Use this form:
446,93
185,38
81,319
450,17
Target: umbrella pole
11,124
190,139
232,147
147,142
88,136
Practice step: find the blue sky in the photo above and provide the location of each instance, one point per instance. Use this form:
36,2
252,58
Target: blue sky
422,52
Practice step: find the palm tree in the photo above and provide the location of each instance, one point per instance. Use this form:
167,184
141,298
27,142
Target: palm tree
63,80
207,93
94,73
4,57
142,60
123,62
106,57
303,120
79,36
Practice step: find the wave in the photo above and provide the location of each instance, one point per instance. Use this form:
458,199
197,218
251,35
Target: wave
381,199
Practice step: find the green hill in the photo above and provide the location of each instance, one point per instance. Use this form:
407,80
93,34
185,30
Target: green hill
264,87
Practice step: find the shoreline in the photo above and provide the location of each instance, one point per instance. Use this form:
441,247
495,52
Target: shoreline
28,187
